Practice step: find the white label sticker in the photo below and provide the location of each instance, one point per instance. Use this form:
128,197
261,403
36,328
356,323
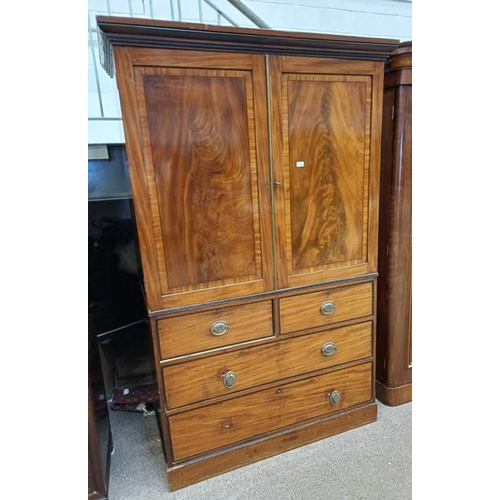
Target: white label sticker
299,164
125,392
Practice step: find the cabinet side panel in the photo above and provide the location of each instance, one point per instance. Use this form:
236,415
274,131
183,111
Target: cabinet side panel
385,187
138,176
395,264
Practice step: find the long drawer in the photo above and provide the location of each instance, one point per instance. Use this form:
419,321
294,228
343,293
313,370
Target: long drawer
326,307
203,429
211,329
226,373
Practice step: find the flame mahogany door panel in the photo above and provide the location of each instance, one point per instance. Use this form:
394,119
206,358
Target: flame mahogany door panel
197,133
326,145
197,122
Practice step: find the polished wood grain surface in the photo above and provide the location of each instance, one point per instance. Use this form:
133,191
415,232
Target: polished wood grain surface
240,418
280,442
189,171
172,58
191,333
304,311
394,373
326,131
202,379
200,154
326,134
252,390
199,150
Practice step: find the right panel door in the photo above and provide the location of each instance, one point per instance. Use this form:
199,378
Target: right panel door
326,147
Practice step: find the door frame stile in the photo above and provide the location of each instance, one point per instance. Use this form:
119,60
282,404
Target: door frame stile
271,171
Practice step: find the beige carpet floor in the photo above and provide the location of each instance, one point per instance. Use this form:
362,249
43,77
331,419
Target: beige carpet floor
369,463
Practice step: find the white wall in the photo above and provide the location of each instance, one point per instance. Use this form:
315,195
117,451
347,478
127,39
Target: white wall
373,18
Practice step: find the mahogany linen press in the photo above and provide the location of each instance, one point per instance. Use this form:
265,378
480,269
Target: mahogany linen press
254,159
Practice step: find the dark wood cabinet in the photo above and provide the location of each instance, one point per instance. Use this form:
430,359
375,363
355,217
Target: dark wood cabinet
99,433
99,429
394,364
254,160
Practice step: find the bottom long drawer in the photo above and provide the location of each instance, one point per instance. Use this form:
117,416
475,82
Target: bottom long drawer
210,427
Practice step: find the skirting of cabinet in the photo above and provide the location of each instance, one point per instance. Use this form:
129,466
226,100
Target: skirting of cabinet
184,475
393,396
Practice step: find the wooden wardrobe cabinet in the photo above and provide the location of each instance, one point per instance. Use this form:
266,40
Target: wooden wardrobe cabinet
254,160
100,441
394,372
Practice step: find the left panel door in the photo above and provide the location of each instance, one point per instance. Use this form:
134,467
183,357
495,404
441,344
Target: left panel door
197,140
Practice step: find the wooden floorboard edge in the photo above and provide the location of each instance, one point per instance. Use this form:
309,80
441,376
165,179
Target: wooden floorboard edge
185,475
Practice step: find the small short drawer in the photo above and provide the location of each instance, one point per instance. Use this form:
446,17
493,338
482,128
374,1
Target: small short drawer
205,330
223,374
325,308
204,429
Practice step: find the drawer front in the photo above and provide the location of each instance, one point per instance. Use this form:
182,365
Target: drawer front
228,422
204,379
305,311
210,329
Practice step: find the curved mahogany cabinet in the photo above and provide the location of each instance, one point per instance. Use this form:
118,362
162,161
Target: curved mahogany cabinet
255,161
394,373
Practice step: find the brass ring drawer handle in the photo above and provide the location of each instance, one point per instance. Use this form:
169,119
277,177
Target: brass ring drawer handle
328,349
334,398
229,379
328,307
219,328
